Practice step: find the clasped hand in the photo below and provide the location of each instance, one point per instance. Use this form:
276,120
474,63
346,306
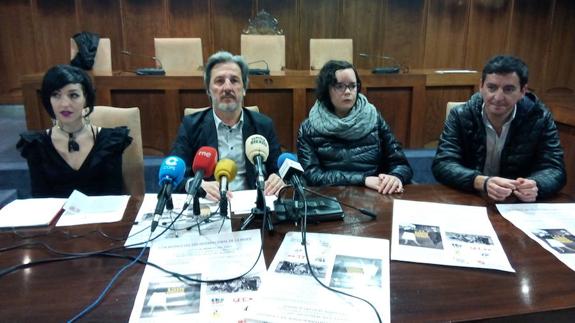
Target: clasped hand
384,184
499,188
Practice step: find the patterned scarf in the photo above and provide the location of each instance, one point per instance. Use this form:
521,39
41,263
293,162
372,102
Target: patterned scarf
358,123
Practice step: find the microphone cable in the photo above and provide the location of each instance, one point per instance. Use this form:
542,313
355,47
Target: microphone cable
312,273
106,289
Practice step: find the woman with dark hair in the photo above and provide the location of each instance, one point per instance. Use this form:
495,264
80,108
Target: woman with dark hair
73,154
345,141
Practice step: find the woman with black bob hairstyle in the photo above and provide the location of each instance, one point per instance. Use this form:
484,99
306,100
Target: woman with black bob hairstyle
73,154
345,140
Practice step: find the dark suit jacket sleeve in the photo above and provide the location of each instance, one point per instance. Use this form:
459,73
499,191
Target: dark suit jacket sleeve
275,150
448,166
183,146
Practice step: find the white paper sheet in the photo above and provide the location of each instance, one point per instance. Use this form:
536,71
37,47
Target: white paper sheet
184,229
163,298
552,225
355,265
242,202
445,234
83,209
30,212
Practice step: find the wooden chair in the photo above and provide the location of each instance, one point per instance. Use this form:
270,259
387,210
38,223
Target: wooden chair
133,158
188,111
102,61
264,51
323,50
180,56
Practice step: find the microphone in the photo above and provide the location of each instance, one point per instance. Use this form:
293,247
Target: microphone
384,70
257,151
170,175
259,71
225,172
203,167
290,171
147,70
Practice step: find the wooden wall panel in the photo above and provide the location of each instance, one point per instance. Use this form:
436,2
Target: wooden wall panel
143,21
34,34
319,19
404,31
276,104
153,118
17,49
446,34
286,12
191,19
488,30
529,37
560,72
388,102
103,17
436,99
367,38
55,24
232,18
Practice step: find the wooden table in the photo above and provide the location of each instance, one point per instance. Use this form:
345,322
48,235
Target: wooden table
541,289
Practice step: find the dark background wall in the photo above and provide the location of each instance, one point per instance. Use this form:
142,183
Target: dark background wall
34,34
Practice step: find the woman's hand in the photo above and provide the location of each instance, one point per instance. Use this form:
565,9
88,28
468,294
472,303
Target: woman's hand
384,184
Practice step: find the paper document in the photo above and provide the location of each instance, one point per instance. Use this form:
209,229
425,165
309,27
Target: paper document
244,201
30,212
445,234
83,209
184,228
163,298
355,265
552,225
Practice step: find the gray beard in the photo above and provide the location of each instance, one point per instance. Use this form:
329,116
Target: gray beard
228,107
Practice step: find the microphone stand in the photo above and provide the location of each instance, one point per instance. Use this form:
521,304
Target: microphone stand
224,206
196,211
261,210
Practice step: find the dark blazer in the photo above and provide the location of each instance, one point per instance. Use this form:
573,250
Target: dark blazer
531,150
199,130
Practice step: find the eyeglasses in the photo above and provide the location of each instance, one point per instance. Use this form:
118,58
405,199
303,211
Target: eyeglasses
340,87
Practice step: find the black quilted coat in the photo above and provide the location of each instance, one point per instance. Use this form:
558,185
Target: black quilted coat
336,161
532,149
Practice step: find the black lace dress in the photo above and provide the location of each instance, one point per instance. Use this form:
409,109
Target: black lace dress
100,174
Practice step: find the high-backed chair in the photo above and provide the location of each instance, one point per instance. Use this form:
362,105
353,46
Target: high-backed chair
323,50
102,60
180,56
451,105
264,51
188,111
133,158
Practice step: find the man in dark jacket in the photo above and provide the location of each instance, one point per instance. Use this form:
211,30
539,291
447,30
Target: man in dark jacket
227,125
503,141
